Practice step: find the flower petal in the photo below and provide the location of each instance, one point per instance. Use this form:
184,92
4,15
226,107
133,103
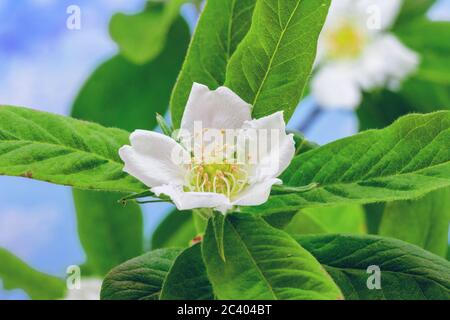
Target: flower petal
274,158
192,200
154,159
218,109
256,194
335,86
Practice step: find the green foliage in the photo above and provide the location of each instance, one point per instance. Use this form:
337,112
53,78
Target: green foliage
407,272
263,263
142,37
140,278
341,219
404,161
271,66
62,150
220,29
110,233
413,9
176,230
128,96
187,279
16,274
423,222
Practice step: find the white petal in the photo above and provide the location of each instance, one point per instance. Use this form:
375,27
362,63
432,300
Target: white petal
274,158
256,194
192,200
154,159
335,86
218,109
385,10
386,61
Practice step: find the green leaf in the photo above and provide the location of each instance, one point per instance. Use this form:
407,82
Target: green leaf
109,233
407,272
187,279
16,274
220,29
263,263
140,278
374,214
218,223
413,9
423,222
129,96
341,219
404,161
301,144
176,230
63,150
142,37
271,66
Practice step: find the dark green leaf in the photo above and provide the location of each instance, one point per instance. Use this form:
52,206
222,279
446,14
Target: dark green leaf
271,66
176,230
109,232
140,278
263,263
422,222
407,272
187,279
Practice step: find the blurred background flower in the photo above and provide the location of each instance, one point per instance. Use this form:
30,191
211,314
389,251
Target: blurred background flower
43,65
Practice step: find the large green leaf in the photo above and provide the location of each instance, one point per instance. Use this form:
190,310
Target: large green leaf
110,233
187,279
271,66
62,150
404,161
407,272
423,222
176,230
141,37
263,263
221,27
16,274
128,96
341,219
140,278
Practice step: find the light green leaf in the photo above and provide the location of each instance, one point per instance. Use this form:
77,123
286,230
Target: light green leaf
176,230
263,263
62,150
140,278
109,233
404,161
407,272
141,37
341,219
16,274
187,279
220,29
271,66
422,222
218,223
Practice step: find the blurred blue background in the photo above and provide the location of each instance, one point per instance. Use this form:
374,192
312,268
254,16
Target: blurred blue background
42,66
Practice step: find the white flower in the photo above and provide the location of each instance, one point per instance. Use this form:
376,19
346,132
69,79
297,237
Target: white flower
356,53
198,176
89,290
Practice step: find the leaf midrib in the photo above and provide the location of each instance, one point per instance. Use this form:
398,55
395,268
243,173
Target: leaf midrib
275,52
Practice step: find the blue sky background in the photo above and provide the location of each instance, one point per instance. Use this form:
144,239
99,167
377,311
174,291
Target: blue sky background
42,66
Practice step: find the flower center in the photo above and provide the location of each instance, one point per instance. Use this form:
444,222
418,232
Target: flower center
224,178
347,41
